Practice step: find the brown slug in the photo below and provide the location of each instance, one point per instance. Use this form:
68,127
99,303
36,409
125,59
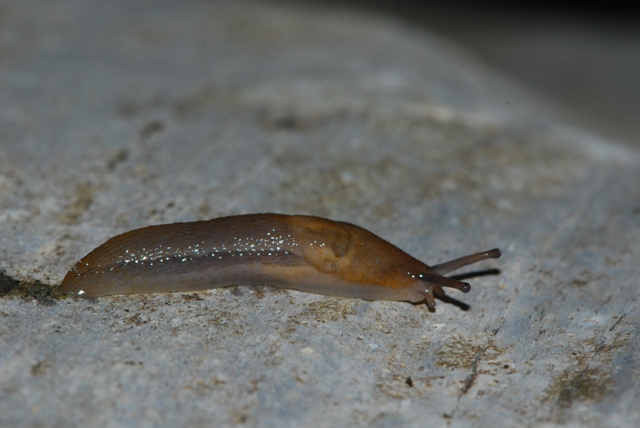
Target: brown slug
299,252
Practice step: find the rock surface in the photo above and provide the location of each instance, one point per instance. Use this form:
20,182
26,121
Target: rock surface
123,114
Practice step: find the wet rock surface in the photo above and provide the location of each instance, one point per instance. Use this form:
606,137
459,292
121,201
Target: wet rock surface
128,114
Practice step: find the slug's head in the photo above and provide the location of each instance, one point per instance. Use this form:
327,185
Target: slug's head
429,283
357,263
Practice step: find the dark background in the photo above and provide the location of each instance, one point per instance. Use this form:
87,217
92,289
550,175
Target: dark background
583,56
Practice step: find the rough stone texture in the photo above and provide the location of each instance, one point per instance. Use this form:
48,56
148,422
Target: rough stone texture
115,115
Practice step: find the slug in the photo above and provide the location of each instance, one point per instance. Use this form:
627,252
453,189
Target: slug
305,253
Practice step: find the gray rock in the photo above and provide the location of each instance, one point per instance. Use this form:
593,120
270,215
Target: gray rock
122,114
